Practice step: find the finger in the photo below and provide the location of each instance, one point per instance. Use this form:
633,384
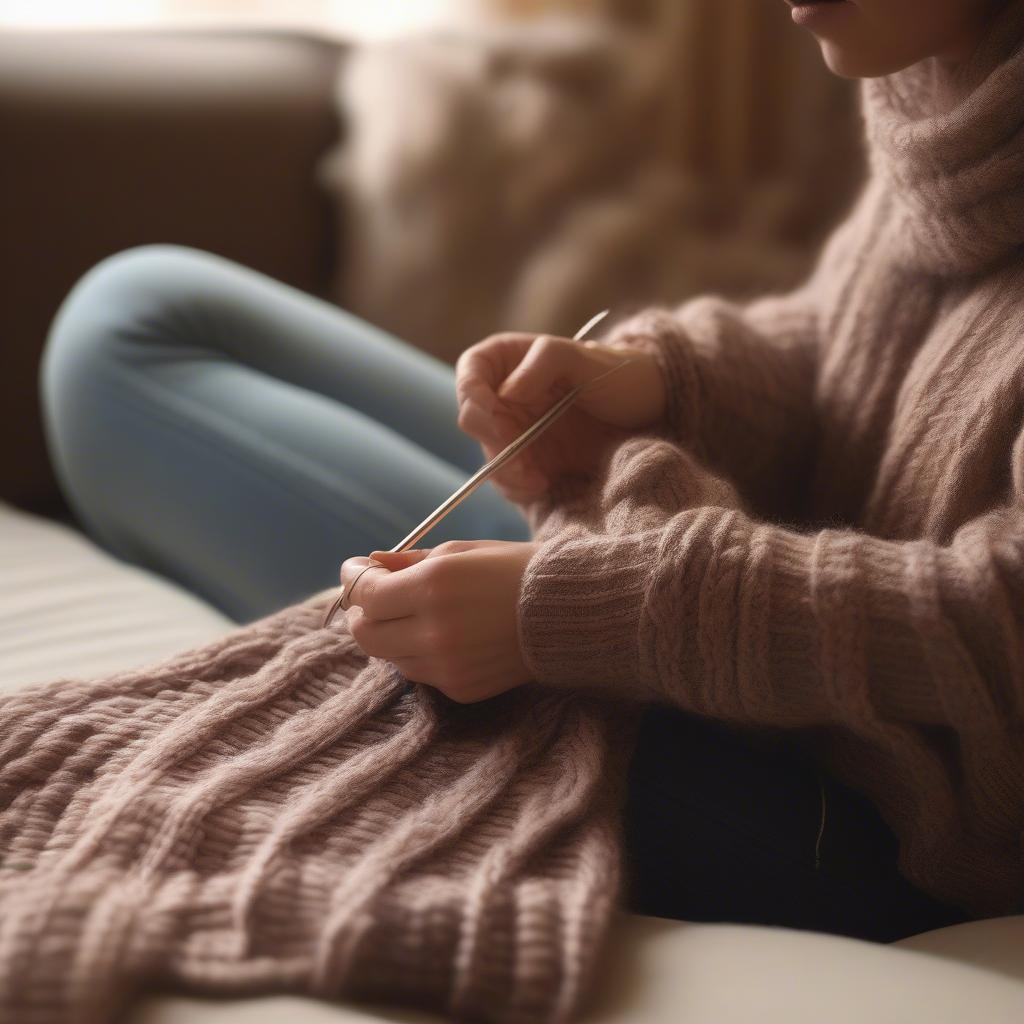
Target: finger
391,595
390,638
355,575
480,369
396,560
351,568
479,422
552,364
425,670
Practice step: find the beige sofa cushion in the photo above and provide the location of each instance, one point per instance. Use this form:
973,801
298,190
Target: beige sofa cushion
69,610
667,972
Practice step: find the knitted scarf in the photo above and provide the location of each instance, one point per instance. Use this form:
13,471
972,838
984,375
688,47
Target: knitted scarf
276,811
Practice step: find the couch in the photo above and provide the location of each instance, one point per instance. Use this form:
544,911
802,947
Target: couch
211,139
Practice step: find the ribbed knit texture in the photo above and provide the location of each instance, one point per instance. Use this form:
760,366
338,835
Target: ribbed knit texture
865,589
825,534
277,812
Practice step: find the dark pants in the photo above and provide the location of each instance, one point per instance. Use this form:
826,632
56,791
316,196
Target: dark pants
720,827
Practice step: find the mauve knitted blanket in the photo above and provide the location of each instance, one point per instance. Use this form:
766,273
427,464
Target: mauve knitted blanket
825,534
276,812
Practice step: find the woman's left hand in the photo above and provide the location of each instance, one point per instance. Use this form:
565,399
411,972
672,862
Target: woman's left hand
444,616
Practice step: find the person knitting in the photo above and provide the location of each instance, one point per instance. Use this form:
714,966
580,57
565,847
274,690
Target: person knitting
790,535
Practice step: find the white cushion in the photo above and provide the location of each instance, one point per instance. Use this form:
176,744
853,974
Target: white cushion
668,972
68,609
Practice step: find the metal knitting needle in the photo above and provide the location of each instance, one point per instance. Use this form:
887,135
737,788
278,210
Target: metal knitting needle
482,474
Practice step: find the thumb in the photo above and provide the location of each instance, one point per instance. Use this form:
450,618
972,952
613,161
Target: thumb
393,560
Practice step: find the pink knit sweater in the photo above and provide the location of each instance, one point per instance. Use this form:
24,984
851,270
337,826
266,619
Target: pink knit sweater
868,590
826,534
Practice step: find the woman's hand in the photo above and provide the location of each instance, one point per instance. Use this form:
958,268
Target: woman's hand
507,382
444,616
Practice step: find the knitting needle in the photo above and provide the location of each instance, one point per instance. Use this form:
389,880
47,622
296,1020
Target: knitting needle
482,474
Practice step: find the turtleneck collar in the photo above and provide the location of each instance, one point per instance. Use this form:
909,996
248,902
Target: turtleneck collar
949,144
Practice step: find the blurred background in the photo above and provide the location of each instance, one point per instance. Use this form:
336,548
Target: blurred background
443,168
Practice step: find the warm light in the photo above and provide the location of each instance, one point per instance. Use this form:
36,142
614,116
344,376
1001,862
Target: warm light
383,18
79,13
354,18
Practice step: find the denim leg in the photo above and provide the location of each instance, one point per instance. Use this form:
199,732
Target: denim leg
244,438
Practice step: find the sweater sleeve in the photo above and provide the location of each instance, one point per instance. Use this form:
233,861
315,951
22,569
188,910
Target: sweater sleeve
739,378
750,622
739,385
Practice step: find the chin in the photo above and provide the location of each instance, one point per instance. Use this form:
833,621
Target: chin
846,64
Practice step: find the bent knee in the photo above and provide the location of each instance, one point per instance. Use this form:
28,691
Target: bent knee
134,286
124,302
136,296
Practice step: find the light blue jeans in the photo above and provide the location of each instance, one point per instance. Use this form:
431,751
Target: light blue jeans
243,438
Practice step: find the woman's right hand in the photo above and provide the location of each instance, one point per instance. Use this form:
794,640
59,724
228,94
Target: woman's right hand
506,382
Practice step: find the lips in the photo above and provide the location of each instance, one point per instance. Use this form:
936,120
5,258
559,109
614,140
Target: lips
817,13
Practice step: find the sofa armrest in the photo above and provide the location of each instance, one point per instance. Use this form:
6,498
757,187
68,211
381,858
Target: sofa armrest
117,139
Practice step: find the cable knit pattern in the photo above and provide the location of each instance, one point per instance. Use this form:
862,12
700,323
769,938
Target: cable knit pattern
276,811
825,534
863,586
